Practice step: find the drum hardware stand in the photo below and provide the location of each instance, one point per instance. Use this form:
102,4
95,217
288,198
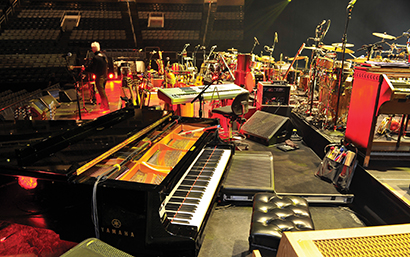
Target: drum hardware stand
344,40
200,97
226,65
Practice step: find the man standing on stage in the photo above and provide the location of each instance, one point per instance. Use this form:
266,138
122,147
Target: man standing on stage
98,66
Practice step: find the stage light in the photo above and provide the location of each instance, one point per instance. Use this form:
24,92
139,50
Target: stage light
272,13
93,77
111,76
27,182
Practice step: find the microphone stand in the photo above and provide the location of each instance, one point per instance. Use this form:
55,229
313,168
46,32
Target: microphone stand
344,40
254,44
270,60
201,98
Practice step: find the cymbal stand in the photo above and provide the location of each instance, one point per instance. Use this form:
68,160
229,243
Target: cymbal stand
314,81
344,40
80,87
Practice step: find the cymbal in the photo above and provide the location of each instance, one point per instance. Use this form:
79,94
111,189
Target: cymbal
233,50
336,49
358,60
311,48
297,58
341,44
384,35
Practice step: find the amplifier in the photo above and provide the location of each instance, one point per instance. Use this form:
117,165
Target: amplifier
391,240
272,93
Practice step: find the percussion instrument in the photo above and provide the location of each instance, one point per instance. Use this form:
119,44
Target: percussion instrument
384,36
336,49
341,44
325,63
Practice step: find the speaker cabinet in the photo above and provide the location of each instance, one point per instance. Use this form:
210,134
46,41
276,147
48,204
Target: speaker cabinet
267,128
69,95
49,100
275,93
94,247
388,240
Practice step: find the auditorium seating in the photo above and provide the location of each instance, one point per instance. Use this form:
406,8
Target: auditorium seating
33,43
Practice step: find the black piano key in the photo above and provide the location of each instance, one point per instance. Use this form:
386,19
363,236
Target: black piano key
206,172
181,200
180,207
188,194
199,177
184,216
190,188
188,182
201,171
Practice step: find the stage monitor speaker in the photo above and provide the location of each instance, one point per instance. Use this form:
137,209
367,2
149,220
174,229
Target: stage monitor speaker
94,247
267,128
387,240
272,93
48,100
69,95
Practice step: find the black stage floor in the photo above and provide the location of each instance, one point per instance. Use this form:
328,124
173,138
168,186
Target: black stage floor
379,195
227,230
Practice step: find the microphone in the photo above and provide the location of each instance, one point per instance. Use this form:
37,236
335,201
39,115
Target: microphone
351,3
276,38
186,45
198,46
203,47
322,23
256,40
213,47
67,55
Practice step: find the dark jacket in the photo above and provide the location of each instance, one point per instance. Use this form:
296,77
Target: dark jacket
98,65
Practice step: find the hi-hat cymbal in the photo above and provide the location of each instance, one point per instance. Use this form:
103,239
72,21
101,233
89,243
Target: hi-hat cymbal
384,35
336,49
311,48
341,44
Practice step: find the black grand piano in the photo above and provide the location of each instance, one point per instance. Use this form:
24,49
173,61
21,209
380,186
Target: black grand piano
141,180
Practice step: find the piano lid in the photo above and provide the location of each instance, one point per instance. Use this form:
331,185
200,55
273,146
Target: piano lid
55,147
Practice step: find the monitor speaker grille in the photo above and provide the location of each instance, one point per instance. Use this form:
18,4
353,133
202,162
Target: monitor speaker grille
381,245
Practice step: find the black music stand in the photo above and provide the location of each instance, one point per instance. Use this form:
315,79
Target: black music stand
200,97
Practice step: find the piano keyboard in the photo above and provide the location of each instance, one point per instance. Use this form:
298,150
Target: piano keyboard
190,199
181,95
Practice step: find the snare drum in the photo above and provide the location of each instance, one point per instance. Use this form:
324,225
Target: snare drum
324,63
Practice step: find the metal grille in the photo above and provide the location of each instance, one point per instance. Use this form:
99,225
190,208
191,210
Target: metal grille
251,170
367,246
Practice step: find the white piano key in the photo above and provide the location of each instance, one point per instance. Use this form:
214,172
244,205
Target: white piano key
204,201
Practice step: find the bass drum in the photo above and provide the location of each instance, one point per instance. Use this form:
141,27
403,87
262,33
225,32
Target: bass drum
250,82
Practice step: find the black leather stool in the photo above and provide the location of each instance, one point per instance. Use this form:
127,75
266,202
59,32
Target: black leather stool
272,215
